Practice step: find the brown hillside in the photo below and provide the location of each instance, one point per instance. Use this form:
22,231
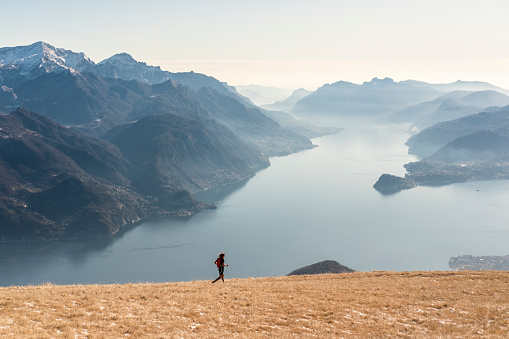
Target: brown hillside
352,305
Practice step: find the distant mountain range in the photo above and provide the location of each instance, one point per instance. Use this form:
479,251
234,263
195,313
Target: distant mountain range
263,95
455,141
431,139
418,103
471,148
376,98
287,104
22,63
459,85
450,106
99,147
94,104
279,111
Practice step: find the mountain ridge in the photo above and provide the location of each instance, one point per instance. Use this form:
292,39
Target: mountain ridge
447,107
21,63
94,104
429,140
376,98
461,85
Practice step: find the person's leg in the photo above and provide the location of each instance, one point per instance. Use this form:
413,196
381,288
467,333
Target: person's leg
221,270
221,273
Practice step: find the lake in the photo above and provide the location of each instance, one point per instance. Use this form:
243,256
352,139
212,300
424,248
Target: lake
307,207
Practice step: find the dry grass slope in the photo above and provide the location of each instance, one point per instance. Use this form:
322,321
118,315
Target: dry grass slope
353,305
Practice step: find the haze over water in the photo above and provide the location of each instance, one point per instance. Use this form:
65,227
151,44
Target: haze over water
307,207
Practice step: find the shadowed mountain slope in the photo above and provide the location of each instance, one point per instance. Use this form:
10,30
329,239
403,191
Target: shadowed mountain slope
287,104
167,148
252,126
57,183
45,194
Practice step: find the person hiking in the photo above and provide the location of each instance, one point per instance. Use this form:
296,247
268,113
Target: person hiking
220,266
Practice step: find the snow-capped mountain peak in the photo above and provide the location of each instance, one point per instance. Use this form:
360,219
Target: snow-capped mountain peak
22,63
120,58
40,57
124,66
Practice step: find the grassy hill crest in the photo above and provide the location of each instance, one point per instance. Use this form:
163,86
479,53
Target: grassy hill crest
351,305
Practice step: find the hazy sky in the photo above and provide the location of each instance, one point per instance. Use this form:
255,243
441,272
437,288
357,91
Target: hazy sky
289,43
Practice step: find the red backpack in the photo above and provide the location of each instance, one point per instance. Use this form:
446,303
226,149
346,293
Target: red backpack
217,262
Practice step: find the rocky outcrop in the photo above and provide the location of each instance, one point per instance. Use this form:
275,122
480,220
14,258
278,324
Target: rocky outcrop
322,267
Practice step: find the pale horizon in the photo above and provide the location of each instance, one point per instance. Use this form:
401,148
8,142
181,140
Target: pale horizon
311,75
286,44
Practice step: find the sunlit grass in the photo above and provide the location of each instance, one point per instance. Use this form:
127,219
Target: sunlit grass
355,305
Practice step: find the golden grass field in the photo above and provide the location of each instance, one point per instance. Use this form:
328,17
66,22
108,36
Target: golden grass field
355,305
